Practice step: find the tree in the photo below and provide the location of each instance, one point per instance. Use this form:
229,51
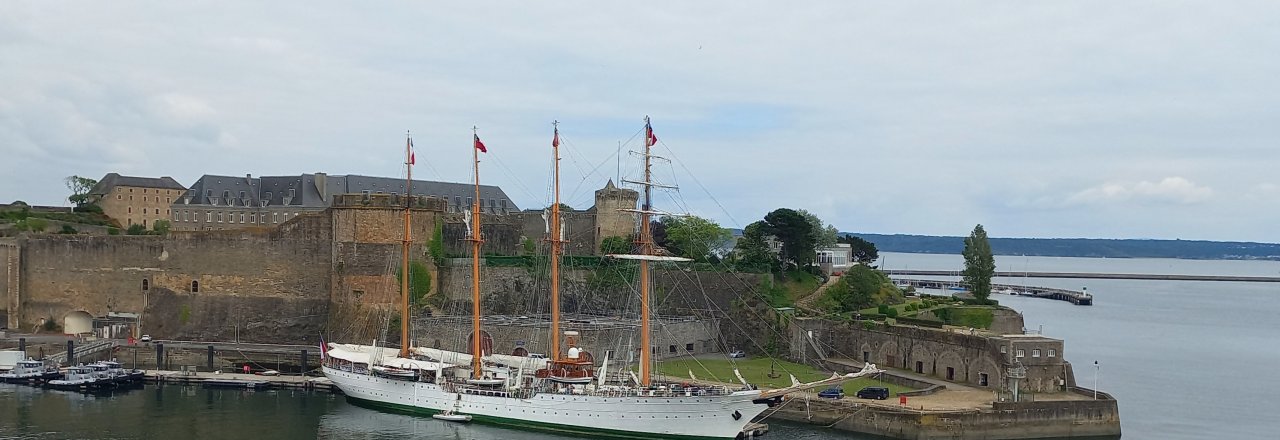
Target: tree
979,264
751,253
419,282
615,245
80,187
863,251
161,227
795,233
823,236
694,237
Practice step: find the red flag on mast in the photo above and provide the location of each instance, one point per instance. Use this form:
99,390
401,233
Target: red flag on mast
480,145
555,141
649,138
412,158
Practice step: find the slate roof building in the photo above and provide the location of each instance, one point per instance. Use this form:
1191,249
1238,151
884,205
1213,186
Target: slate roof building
231,202
133,200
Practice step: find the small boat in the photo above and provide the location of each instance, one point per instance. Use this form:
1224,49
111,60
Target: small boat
29,370
77,377
450,416
119,374
486,381
395,372
236,384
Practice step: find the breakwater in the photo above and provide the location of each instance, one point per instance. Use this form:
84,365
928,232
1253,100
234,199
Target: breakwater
1096,276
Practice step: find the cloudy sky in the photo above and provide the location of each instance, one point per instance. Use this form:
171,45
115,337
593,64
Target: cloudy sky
1037,119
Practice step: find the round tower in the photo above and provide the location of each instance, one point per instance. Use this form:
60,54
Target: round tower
610,222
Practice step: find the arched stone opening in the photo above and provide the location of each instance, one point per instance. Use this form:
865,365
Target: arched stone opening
77,322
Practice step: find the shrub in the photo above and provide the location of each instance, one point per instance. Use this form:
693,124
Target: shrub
868,325
136,229
113,231
67,229
883,309
892,313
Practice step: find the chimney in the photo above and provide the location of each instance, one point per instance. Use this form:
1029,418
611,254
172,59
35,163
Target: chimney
320,179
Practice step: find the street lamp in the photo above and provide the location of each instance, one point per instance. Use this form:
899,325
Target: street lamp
1096,367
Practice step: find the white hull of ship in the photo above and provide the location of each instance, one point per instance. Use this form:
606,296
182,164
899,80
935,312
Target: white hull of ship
675,416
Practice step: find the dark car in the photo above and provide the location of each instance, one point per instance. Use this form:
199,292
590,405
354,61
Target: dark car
832,393
878,393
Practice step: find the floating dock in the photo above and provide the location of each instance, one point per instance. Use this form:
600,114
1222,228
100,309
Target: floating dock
1071,296
239,381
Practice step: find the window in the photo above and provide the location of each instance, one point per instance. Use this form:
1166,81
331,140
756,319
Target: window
275,217
671,349
168,200
1035,353
219,217
185,216
195,286
253,217
608,354
242,194
1004,349
119,197
144,210
688,347
1053,353
144,198
208,217
1022,353
130,210
242,217
982,379
145,285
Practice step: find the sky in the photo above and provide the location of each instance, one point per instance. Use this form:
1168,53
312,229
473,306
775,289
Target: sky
1094,119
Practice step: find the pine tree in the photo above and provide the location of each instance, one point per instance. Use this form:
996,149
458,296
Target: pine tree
979,264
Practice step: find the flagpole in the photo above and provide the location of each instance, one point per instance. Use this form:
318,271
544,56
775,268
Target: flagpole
404,249
476,239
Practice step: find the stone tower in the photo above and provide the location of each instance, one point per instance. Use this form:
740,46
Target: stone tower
611,222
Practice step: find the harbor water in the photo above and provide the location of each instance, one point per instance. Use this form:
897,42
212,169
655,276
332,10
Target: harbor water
1185,359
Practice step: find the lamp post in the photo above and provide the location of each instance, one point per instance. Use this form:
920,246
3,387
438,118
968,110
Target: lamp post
1096,367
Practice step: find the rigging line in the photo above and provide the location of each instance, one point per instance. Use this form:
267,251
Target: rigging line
514,178
573,153
677,160
695,358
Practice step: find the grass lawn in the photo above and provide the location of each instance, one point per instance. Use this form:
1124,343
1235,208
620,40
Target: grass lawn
800,284
756,371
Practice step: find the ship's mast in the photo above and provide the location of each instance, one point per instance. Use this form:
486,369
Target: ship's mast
404,248
476,240
556,242
646,248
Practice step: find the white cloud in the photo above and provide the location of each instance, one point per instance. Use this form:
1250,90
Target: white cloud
1168,190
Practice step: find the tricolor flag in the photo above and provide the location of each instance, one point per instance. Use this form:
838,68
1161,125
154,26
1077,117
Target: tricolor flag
412,159
480,145
324,348
649,138
555,141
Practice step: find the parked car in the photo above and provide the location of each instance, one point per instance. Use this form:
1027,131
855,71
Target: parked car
537,356
145,338
737,354
832,393
878,393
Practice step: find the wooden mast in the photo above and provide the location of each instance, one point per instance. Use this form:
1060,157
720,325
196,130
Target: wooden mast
556,242
476,239
404,249
646,248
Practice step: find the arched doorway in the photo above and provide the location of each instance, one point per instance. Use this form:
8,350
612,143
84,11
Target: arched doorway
77,322
520,351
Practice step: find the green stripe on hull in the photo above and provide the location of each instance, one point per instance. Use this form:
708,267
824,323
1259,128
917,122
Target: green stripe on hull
522,424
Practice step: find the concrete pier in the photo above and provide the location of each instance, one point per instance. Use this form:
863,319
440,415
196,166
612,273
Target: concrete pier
1096,276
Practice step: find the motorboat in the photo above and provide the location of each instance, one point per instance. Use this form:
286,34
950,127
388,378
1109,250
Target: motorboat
450,416
29,370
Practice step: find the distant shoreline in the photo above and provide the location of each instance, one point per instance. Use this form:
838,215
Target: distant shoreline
1080,247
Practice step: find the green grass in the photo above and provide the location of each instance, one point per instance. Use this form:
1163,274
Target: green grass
756,371
800,284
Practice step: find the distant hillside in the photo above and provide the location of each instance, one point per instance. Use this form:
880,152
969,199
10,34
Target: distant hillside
1081,247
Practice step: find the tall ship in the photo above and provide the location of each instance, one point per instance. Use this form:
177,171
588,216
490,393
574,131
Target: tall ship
564,391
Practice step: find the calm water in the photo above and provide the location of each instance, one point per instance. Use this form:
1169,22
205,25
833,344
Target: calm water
178,412
1188,360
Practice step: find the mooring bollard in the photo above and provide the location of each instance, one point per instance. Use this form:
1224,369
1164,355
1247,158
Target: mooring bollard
22,346
210,358
159,356
71,352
